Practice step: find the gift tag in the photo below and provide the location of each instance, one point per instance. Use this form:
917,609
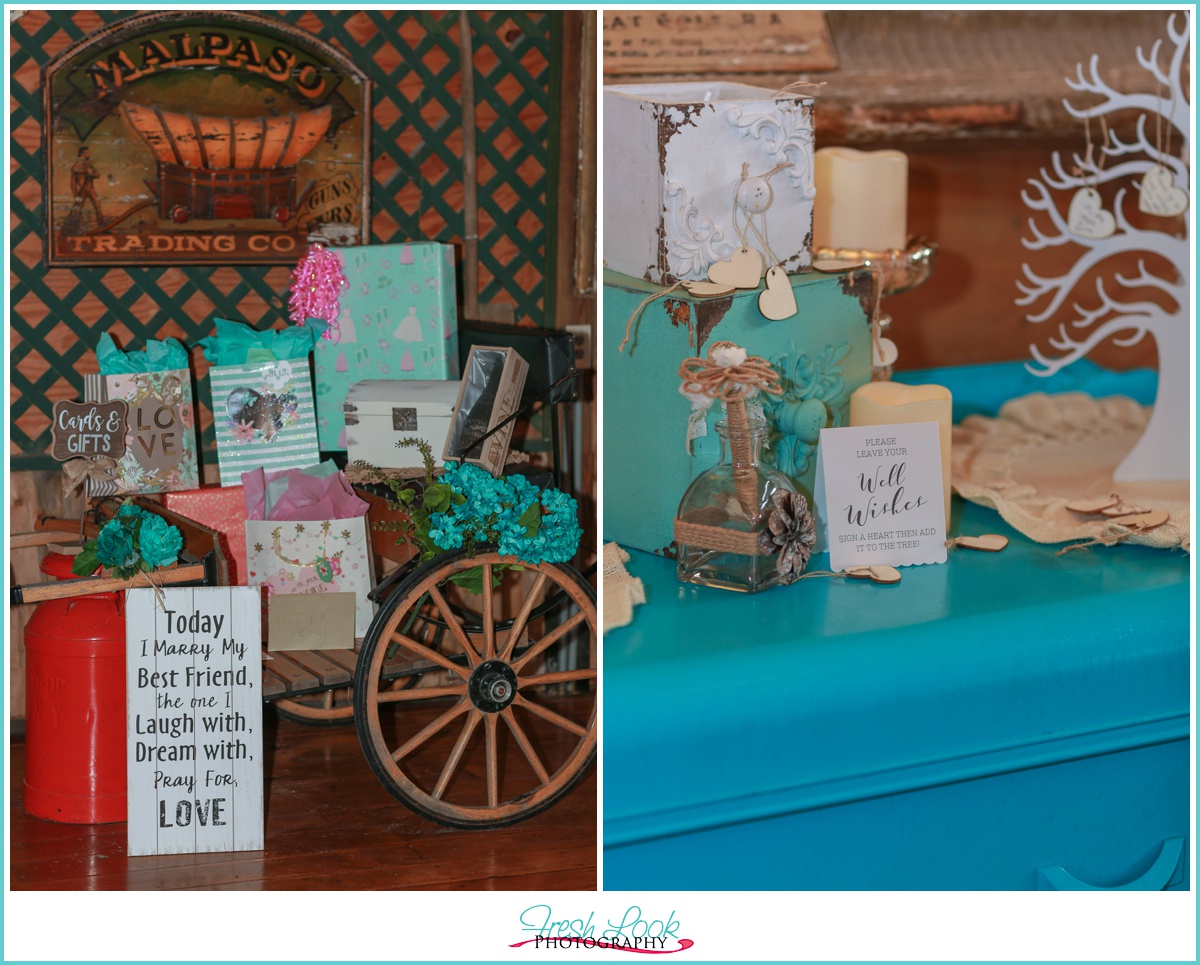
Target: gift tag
988,543
743,270
777,301
1158,194
876,574
1086,216
705,289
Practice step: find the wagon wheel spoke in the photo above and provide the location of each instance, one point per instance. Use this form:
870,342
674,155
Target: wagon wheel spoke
548,640
429,654
493,760
429,730
522,740
546,714
455,627
489,626
460,745
522,617
557,677
421,693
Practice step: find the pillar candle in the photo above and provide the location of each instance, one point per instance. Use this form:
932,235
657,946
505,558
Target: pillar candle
892,403
862,199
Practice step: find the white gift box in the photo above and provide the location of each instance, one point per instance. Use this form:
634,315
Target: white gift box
673,167
379,413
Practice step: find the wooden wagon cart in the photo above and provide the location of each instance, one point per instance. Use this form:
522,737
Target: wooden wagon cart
495,666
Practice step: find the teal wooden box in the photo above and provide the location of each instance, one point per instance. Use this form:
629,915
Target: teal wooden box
398,319
822,354
1007,721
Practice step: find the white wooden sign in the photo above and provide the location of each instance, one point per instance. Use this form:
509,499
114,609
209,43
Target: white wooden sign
194,719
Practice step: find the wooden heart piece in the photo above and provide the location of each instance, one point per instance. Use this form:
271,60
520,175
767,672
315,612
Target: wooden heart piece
876,574
777,301
1144,521
884,353
1094,504
1159,195
706,289
743,269
1086,216
988,543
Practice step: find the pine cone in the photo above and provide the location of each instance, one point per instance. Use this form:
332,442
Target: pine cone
790,533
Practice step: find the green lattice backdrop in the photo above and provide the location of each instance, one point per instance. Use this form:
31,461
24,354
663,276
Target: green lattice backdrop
417,192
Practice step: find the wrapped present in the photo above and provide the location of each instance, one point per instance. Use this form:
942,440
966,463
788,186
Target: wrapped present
695,171
222,510
262,398
160,433
396,318
822,355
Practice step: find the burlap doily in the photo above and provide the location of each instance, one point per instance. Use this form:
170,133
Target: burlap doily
1043,451
621,591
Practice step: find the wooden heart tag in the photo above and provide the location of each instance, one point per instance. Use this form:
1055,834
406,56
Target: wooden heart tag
886,575
706,289
1159,195
988,543
777,301
1086,216
743,270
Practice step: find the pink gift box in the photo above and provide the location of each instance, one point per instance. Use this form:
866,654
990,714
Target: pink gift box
223,510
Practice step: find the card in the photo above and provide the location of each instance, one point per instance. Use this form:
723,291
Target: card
311,621
879,494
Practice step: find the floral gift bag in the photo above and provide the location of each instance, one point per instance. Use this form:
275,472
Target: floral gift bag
262,399
160,436
306,532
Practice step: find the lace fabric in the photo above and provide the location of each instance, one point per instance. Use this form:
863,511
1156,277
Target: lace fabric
1044,451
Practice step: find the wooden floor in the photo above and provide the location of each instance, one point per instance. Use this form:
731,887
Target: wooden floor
330,825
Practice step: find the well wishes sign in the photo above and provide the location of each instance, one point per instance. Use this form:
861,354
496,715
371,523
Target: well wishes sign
880,495
194,719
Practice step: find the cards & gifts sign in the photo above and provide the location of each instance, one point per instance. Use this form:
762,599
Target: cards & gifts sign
879,489
194,720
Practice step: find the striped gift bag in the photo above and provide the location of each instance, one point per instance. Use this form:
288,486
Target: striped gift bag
264,416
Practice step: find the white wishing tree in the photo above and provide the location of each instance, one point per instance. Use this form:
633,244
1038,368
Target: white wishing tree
1125,306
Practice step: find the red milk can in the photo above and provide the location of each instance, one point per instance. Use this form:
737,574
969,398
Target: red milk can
75,705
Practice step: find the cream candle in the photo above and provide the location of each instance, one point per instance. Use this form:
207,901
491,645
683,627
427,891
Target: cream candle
892,403
861,199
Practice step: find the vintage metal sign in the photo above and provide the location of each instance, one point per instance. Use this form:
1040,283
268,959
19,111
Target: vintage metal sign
184,138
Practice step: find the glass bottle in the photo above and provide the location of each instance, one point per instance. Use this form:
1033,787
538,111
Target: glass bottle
735,497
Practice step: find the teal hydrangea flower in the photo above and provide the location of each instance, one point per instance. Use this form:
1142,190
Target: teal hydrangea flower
160,542
114,545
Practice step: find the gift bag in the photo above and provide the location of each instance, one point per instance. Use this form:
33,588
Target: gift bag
395,317
262,400
160,436
264,417
306,532
313,556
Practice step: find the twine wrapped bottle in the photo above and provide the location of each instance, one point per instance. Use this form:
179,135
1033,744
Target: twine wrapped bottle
721,532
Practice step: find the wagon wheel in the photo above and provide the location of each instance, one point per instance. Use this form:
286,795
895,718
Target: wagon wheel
325,709
503,669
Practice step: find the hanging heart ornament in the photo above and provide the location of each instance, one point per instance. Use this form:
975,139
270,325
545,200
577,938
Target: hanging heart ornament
743,270
1086,216
777,301
1159,195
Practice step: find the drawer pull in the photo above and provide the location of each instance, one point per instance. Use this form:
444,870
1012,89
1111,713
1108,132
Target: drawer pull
1166,871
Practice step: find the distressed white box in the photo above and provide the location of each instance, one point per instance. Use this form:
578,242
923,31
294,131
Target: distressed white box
673,157
379,413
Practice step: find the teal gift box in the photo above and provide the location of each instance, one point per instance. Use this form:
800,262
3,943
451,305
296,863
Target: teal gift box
398,319
822,353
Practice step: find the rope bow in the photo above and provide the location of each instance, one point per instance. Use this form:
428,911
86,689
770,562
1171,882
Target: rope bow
728,374
77,472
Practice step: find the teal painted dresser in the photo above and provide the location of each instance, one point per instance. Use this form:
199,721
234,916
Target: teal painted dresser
1004,721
